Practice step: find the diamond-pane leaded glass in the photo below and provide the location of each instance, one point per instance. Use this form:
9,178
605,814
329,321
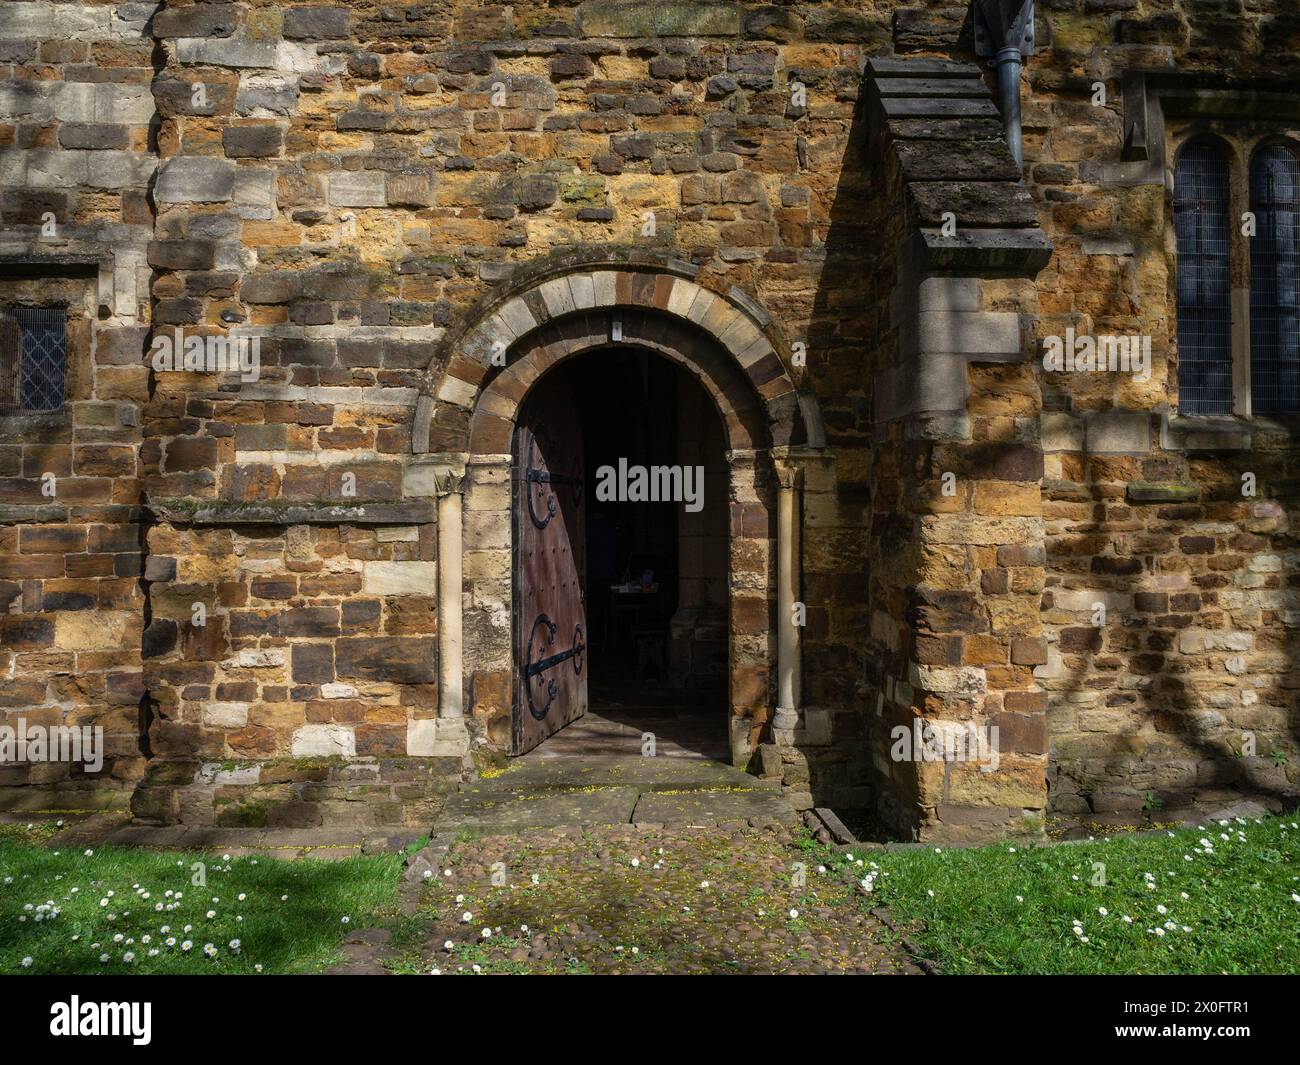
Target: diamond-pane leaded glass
1204,308
11,358
1275,281
44,362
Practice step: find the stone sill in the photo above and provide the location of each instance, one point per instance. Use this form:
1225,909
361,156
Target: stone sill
16,423
217,512
44,264
1222,432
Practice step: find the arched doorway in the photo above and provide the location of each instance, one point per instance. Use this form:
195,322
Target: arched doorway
621,563
465,426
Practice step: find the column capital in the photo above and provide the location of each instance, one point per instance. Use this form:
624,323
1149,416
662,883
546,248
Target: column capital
450,482
789,475
449,473
434,475
788,464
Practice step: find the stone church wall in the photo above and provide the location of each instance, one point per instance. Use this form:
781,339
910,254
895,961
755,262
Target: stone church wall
76,161
344,181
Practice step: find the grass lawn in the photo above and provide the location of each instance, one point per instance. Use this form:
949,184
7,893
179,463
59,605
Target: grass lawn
118,910
1231,906
1223,898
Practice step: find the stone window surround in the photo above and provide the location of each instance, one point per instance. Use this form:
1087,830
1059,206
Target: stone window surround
1238,149
24,424
1163,110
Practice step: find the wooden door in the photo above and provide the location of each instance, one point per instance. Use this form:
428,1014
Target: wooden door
550,618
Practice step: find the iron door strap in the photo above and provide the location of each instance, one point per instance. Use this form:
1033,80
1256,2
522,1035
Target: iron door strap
535,478
533,669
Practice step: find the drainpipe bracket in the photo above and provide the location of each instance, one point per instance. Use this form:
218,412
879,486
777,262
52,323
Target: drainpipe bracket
1001,24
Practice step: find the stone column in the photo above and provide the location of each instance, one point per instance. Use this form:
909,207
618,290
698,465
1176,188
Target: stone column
789,665
449,486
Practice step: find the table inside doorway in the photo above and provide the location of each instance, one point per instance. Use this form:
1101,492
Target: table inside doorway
632,605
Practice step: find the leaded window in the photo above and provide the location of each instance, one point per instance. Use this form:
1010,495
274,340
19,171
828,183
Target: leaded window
1275,280
1201,226
33,359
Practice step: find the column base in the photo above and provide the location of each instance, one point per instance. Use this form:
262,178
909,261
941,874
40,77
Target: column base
784,723
453,737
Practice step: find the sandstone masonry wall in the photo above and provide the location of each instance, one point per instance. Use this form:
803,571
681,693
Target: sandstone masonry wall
345,181
76,160
1196,655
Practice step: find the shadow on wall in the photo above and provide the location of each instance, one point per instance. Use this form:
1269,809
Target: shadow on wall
849,315
1184,681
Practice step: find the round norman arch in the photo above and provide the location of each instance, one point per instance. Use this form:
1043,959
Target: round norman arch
482,369
746,419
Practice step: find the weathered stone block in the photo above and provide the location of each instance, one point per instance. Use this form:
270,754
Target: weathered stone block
972,333
181,254
197,20
408,190
1061,432
324,741
398,659
1118,432
400,578
232,52
421,737
256,142
195,179
225,715
315,23
313,663
358,188
95,136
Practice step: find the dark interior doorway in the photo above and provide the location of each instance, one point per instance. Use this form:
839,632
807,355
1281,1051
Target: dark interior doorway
656,581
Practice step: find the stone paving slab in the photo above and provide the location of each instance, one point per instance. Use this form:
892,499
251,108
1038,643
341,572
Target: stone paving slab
534,792
615,771
668,807
484,808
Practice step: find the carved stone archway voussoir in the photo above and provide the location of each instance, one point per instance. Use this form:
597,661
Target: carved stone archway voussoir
475,375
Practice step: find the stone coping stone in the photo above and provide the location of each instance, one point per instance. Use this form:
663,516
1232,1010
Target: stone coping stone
983,252
409,512
885,67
